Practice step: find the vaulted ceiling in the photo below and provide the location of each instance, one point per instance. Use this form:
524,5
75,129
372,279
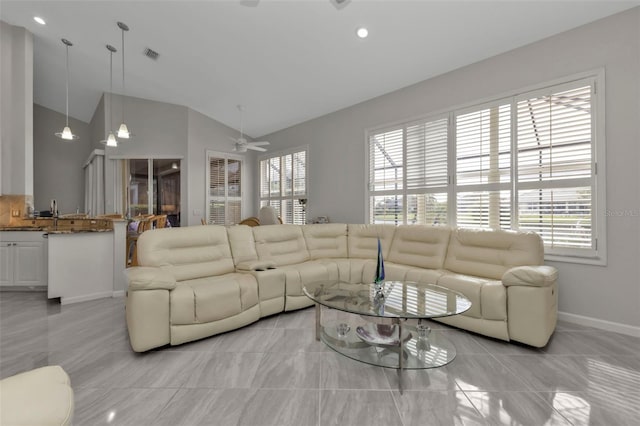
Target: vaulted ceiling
285,61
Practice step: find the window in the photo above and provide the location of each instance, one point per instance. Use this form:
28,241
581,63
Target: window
523,162
224,188
283,185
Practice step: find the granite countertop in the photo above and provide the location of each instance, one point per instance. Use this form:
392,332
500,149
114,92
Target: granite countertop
51,231
21,228
77,231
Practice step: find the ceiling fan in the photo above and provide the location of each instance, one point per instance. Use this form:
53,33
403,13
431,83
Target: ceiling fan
241,144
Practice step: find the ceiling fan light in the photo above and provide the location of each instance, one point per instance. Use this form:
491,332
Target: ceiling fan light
123,132
174,165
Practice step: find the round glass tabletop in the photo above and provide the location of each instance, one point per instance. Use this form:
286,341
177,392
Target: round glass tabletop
396,299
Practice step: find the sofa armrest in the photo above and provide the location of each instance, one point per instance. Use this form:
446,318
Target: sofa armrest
255,265
149,278
532,276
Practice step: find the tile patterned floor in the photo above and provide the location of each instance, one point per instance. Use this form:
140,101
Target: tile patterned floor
274,373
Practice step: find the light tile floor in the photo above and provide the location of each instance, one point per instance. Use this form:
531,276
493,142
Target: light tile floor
275,373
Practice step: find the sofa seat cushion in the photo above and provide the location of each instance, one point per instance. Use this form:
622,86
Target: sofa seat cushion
209,299
479,291
296,276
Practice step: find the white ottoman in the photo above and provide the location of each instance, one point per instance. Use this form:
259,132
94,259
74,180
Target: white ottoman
38,397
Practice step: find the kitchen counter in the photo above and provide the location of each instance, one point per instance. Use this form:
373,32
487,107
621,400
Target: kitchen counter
76,231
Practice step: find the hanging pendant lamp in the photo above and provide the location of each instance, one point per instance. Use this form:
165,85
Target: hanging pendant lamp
111,140
66,133
123,131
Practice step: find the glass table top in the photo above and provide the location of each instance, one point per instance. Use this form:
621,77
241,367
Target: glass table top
398,299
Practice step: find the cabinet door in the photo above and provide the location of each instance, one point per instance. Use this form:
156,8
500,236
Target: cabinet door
6,263
29,264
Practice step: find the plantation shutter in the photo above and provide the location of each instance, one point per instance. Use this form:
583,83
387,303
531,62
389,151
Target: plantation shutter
225,190
554,175
427,155
483,167
283,184
217,191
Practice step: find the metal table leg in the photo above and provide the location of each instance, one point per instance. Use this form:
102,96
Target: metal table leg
318,321
398,323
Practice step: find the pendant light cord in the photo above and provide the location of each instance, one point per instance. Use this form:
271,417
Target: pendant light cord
67,110
124,92
110,89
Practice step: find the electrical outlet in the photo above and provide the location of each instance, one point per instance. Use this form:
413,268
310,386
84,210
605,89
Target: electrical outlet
197,212
15,213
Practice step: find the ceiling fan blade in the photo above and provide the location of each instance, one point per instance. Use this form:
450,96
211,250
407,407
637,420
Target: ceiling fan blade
259,143
233,139
256,148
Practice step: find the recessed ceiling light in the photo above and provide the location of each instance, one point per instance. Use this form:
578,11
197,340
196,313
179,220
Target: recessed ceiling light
39,20
362,32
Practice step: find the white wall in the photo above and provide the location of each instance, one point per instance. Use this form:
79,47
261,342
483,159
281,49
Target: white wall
206,134
16,110
337,147
57,164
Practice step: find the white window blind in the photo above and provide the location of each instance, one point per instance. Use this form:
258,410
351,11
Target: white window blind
483,167
524,162
224,185
408,173
555,176
283,185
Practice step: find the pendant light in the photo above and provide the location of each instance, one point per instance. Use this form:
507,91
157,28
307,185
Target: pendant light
123,131
66,132
111,140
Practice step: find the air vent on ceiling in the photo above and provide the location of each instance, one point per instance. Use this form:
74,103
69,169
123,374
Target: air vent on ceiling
150,53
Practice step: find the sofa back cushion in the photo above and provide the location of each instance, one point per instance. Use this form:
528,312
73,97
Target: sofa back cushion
187,253
362,240
243,246
490,253
420,245
326,240
283,244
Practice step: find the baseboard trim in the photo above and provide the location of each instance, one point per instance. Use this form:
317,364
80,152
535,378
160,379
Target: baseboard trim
77,299
119,293
617,327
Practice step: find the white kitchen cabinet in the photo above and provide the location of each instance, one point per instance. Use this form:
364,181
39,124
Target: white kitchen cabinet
23,259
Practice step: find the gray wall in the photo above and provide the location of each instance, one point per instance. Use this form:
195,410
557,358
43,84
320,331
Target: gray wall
337,147
16,110
159,130
206,134
57,171
167,130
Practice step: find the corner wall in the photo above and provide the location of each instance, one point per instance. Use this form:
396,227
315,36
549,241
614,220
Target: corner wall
337,147
16,110
58,164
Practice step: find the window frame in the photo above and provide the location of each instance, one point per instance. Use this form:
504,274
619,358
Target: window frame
226,156
293,196
597,254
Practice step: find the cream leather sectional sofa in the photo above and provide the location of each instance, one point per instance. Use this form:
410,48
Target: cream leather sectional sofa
203,280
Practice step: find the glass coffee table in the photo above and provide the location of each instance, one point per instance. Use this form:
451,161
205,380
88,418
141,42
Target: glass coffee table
387,327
